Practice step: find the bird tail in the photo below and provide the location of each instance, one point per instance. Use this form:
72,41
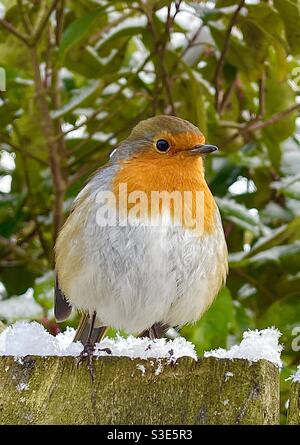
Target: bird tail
83,331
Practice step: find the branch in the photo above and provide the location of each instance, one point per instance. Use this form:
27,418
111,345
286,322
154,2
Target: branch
229,124
44,19
19,253
168,86
93,115
163,80
24,152
262,94
13,247
273,119
264,290
105,102
192,40
87,169
259,124
59,21
10,28
25,18
53,149
220,65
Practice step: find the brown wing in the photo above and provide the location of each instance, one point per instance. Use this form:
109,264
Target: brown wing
62,309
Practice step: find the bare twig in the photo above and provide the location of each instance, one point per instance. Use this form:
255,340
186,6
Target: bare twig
262,93
259,124
87,169
44,19
13,247
23,151
59,21
220,64
104,103
192,40
21,255
54,156
229,124
25,18
168,86
254,282
112,24
163,79
9,27
226,97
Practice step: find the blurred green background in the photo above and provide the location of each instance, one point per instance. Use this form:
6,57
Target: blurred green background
81,74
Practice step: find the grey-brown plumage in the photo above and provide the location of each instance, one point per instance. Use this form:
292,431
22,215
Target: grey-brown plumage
62,309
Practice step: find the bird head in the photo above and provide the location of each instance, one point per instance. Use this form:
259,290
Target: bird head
164,137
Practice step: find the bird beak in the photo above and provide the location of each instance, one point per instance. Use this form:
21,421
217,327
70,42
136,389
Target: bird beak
202,149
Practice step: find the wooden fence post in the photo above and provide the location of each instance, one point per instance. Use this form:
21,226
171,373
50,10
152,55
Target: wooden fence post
52,390
294,405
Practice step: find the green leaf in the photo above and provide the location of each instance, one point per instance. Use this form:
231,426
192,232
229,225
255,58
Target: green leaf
284,234
289,186
285,315
240,215
25,279
290,14
79,30
214,327
274,151
117,38
286,257
43,290
8,113
79,97
238,55
279,97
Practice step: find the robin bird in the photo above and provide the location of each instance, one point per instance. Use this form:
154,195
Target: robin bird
149,273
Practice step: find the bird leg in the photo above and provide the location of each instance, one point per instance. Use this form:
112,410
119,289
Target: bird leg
157,330
88,349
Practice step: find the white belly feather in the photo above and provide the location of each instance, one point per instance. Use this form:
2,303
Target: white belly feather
136,276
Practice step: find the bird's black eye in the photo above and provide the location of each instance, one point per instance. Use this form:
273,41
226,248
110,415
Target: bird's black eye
162,145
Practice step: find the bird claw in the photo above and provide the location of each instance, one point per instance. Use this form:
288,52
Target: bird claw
87,354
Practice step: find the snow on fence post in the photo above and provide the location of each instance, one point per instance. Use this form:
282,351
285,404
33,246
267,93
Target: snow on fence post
294,404
52,390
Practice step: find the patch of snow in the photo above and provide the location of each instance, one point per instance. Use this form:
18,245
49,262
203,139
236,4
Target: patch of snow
5,183
25,338
144,348
2,11
22,387
228,374
31,338
141,368
22,306
160,368
7,161
255,345
242,186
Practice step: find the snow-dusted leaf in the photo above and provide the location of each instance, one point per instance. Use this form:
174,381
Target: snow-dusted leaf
240,215
79,96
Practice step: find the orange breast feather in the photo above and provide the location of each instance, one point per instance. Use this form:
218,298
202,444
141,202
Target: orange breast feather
150,171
